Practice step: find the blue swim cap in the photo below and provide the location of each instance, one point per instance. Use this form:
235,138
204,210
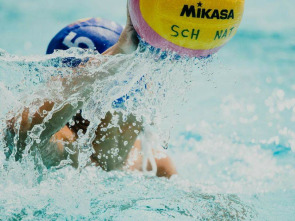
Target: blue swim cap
93,33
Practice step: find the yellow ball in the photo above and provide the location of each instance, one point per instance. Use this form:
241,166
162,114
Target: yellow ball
189,27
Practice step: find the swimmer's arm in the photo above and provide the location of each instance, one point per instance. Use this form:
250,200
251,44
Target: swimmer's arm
63,112
22,124
126,44
54,115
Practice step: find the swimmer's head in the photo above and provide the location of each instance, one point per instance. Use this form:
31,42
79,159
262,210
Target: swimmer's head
92,33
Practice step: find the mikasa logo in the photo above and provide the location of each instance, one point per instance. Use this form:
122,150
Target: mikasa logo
191,11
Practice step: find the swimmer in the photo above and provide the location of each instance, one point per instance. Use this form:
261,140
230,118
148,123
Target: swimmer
59,135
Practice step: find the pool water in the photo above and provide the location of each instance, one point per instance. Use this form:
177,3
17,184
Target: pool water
229,122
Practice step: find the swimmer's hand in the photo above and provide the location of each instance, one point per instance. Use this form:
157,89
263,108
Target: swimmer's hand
128,40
